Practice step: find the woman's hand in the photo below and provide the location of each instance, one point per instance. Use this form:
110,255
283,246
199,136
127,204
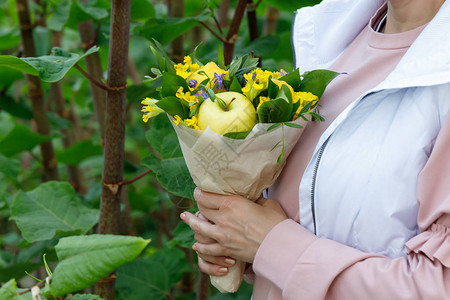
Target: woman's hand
239,228
211,265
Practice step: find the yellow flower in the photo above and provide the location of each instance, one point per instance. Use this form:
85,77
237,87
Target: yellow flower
209,69
186,96
304,98
179,94
177,120
262,99
187,60
195,67
150,109
192,122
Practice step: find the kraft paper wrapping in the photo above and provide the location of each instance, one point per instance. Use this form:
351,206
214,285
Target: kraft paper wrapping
245,167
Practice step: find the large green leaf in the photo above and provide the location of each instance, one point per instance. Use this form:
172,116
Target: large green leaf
316,81
81,11
19,109
9,167
86,259
9,40
8,290
162,137
50,68
85,297
173,107
292,5
183,236
167,29
142,10
8,76
151,277
262,46
50,209
60,15
20,138
172,174
17,270
171,170
78,152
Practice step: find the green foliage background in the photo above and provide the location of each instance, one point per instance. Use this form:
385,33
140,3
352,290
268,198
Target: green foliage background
36,216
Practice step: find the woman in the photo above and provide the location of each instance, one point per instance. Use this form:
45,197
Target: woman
370,186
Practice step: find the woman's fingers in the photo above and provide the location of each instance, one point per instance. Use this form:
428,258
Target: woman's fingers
221,261
201,227
211,269
201,238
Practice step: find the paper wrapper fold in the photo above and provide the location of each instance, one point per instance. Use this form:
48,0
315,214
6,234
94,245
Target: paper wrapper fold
244,167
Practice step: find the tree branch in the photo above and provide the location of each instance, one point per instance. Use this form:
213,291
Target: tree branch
220,38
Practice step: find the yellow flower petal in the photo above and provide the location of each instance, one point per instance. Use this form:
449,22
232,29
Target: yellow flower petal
177,120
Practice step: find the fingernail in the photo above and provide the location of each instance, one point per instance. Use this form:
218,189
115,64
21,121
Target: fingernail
197,193
230,261
223,270
194,247
183,216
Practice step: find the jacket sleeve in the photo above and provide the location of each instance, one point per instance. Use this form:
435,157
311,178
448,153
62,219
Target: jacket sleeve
299,263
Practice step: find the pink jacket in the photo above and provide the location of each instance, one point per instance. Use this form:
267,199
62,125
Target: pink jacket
292,262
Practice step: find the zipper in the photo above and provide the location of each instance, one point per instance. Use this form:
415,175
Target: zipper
313,185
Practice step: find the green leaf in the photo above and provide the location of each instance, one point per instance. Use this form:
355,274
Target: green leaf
9,167
293,79
8,290
293,125
173,107
19,139
272,89
316,81
262,46
183,236
165,63
171,171
9,40
81,12
162,137
85,297
220,58
291,5
171,83
151,277
50,68
51,209
167,29
78,152
19,109
142,10
83,260
274,111
274,126
172,174
17,270
60,15
237,135
235,86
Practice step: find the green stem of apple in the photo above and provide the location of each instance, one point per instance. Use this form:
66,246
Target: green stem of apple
228,105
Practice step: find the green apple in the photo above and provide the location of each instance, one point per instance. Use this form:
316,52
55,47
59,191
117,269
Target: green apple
239,114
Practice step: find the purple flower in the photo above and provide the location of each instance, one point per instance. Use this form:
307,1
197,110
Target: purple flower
219,80
192,83
204,94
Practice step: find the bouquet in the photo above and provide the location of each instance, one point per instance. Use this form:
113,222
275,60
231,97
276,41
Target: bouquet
236,124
